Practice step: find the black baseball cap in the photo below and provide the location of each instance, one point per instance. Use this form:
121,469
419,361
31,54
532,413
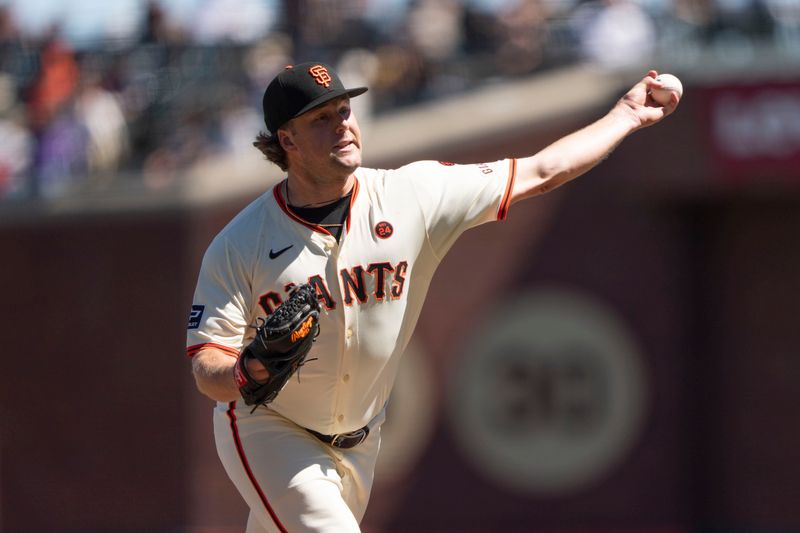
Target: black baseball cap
300,88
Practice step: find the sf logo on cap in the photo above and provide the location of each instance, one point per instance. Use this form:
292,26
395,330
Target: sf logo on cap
321,75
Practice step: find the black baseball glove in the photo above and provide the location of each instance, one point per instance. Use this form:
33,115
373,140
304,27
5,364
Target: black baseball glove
281,344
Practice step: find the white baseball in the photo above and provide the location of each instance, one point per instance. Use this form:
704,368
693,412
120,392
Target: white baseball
670,84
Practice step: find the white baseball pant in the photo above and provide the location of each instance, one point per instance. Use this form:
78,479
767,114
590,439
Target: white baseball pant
291,480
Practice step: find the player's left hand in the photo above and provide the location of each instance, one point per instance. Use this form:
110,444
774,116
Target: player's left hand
257,370
279,348
638,105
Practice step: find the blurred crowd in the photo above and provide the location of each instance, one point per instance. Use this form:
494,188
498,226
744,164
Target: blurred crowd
150,106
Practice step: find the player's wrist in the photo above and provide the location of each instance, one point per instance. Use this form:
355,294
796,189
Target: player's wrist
624,118
240,372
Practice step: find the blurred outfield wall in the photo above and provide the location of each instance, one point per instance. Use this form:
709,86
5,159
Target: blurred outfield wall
620,355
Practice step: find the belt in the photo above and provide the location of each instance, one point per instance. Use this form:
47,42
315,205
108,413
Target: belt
343,440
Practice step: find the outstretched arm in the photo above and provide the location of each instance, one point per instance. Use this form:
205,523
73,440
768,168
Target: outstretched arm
578,152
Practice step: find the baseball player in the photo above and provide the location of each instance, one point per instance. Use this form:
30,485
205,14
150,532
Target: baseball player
368,242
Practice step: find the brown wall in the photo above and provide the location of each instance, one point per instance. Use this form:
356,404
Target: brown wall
98,427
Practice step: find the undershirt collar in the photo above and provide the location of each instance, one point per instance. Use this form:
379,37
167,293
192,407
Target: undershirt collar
330,216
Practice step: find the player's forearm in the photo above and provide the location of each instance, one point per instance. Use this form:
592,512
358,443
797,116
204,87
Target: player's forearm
572,155
213,373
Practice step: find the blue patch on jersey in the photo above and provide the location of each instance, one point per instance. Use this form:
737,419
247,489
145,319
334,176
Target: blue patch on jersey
195,316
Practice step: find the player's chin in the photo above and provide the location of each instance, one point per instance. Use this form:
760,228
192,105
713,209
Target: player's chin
350,160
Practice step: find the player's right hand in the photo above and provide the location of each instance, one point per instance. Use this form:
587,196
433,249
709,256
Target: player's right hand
639,107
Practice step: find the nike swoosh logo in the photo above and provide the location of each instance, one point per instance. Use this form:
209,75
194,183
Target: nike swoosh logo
273,255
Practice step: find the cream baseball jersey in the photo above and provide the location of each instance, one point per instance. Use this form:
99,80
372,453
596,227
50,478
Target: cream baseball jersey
371,284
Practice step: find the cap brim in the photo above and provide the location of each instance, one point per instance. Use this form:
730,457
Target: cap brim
327,97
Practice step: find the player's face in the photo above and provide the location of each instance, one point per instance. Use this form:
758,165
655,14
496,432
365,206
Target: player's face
326,140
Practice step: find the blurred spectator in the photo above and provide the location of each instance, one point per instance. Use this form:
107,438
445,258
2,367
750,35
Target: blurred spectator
696,13
615,33
8,27
324,29
17,146
684,26
435,28
60,161
192,139
400,77
100,113
157,27
263,61
387,17
746,18
56,81
234,21
60,150
523,31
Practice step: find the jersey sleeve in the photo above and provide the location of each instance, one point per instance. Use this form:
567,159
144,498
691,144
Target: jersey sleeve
454,198
219,308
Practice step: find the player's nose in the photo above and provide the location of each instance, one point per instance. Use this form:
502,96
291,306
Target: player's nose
345,120
342,126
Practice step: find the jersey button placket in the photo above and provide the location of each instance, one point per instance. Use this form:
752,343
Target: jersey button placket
334,250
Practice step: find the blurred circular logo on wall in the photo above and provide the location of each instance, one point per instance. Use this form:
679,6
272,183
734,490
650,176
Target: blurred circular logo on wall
550,396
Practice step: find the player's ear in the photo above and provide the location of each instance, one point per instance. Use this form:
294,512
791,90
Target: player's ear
285,139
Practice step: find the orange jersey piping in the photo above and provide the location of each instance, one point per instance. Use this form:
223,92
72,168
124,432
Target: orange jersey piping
191,351
505,203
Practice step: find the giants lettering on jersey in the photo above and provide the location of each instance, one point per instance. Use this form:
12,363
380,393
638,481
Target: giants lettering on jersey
377,281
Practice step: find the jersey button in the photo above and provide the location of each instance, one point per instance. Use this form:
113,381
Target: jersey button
348,333
340,418
346,378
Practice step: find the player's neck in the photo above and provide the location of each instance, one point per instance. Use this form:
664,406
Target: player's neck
307,193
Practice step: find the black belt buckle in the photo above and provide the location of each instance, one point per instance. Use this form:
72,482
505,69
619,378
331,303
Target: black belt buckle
349,440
